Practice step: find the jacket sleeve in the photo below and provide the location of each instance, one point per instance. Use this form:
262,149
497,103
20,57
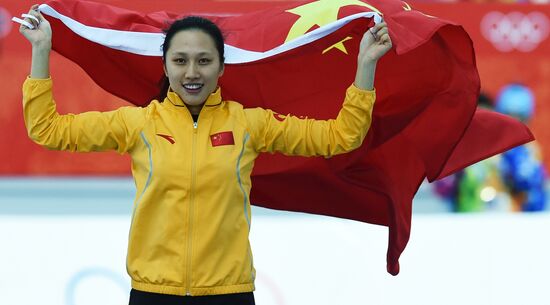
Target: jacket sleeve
290,135
88,131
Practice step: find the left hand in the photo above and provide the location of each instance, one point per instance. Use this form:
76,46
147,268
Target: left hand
40,36
375,43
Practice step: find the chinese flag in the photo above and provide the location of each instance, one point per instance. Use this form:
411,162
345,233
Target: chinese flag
222,138
299,59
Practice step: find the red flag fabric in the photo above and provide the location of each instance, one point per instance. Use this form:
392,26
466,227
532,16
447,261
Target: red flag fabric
299,59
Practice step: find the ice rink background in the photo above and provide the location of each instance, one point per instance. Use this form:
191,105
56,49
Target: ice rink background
63,242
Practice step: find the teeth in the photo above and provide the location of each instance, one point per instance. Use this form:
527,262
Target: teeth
192,86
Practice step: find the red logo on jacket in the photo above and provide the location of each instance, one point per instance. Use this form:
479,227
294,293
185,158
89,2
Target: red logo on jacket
167,137
222,138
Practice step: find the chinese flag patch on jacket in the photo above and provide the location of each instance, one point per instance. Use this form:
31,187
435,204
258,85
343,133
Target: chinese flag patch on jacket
222,138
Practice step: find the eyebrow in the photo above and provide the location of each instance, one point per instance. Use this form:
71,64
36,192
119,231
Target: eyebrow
186,54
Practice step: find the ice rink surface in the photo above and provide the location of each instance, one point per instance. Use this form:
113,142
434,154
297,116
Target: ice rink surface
65,241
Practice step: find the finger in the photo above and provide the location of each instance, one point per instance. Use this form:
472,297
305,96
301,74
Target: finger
36,13
371,34
377,34
32,19
382,31
32,12
379,26
24,24
385,39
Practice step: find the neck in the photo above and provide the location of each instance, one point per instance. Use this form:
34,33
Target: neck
194,109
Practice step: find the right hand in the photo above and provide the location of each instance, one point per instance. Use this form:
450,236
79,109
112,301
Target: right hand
41,36
375,43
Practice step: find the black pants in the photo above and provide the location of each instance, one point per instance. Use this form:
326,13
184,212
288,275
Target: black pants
148,298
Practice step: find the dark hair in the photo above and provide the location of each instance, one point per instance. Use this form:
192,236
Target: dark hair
189,23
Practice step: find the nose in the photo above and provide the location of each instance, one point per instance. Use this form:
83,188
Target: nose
192,71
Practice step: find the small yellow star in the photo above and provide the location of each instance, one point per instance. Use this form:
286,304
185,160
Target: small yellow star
339,45
407,8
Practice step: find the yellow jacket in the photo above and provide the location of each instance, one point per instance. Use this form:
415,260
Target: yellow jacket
191,219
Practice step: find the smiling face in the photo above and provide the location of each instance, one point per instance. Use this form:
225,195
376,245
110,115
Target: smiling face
193,66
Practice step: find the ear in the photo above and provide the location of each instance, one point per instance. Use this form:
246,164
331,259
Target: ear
164,69
221,71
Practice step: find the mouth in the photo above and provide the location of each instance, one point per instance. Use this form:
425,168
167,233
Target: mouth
193,88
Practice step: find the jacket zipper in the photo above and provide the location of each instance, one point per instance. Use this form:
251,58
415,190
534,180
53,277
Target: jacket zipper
191,208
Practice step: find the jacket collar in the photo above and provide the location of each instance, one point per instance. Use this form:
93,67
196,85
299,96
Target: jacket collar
214,99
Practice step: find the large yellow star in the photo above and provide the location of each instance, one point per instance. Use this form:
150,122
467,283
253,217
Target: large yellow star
321,12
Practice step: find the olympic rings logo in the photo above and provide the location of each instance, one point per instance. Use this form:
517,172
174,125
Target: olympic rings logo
515,31
95,284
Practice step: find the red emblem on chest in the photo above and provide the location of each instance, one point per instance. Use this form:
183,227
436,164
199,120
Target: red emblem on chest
167,137
222,138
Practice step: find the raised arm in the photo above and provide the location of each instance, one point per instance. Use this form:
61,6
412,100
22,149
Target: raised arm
90,131
375,43
290,135
40,38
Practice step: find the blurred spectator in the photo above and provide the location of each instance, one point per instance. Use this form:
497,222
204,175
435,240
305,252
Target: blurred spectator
478,187
521,168
514,180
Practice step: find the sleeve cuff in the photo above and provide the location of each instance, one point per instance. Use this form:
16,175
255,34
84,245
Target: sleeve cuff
38,80
33,87
353,89
37,83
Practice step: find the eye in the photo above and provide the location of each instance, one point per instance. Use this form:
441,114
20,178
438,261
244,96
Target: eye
179,60
205,61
